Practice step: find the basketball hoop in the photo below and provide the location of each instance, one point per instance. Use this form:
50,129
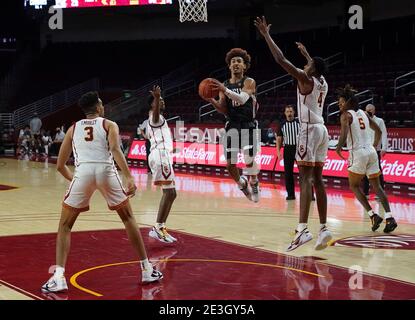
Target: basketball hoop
193,10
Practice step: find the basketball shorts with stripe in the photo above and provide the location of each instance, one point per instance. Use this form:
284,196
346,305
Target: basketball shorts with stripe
89,177
313,143
364,161
161,165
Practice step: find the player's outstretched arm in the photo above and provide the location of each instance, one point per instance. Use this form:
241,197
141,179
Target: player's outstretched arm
156,93
113,134
64,154
345,124
374,127
279,57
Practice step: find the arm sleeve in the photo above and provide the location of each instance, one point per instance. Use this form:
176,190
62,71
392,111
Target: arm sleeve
241,98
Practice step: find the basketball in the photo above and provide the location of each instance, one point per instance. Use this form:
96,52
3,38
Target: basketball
205,89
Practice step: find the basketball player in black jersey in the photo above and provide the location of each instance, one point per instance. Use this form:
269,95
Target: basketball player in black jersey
238,103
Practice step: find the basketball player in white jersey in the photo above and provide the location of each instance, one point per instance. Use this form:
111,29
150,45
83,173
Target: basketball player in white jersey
94,142
161,163
363,159
313,136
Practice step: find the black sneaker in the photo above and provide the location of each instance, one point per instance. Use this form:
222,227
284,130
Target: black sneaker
290,198
390,225
376,221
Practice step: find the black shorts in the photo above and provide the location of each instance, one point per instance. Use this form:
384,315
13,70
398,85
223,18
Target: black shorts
242,136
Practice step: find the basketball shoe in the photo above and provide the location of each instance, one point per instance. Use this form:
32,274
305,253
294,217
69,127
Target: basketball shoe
255,192
55,284
161,235
245,189
151,275
376,221
324,237
300,238
390,225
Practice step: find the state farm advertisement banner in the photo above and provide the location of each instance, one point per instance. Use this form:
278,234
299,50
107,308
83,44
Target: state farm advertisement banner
205,154
396,167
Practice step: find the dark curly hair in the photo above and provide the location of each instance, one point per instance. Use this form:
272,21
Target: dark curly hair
238,52
348,93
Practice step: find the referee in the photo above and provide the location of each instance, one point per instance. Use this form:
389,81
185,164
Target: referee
288,133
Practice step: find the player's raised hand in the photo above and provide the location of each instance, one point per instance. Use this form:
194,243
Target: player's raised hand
131,187
262,25
156,92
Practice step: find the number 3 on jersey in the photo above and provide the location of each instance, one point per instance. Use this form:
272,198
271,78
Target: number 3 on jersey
89,133
362,124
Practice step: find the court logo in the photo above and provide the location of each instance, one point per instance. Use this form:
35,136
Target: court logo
356,20
399,241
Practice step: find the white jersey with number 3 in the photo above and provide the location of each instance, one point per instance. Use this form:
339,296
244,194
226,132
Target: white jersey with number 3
310,106
358,136
90,142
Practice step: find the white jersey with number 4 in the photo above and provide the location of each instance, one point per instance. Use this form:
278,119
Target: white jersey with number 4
358,136
90,142
310,106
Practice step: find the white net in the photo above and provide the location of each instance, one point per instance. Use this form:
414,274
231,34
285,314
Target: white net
193,10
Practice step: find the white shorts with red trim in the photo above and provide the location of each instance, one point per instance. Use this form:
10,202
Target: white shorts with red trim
161,165
89,177
312,145
364,162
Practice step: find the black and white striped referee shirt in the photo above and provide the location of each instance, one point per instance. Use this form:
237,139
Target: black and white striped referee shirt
289,132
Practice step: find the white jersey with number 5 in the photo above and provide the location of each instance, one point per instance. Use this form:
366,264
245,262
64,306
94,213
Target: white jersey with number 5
358,136
90,142
310,105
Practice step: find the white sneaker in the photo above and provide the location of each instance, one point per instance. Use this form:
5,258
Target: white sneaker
299,239
324,237
255,192
245,189
55,284
151,275
161,235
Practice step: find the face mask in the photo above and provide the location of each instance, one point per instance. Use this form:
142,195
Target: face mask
370,114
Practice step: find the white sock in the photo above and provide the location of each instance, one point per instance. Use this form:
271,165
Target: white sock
301,227
59,271
241,182
388,215
370,213
160,225
146,265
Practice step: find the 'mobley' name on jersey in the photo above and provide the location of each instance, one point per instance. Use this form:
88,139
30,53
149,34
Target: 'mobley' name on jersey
89,122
